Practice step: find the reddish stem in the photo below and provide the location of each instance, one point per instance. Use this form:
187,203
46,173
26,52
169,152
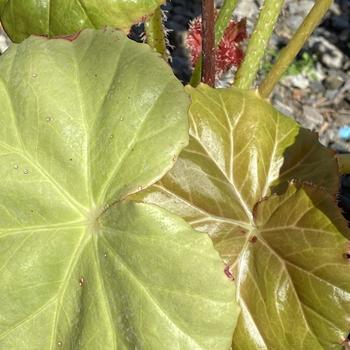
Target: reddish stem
208,42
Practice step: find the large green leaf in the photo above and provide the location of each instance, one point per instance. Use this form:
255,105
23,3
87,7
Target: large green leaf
83,125
285,252
21,18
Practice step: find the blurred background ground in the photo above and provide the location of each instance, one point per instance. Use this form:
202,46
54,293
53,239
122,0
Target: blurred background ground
316,88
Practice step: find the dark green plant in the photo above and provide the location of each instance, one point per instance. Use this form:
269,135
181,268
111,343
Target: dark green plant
305,65
107,196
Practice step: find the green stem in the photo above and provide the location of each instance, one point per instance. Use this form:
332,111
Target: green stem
197,73
258,42
155,33
223,19
221,24
298,40
343,163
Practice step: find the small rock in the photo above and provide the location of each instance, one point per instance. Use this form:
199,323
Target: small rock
324,139
317,87
298,81
247,8
331,94
293,22
312,117
332,134
300,7
225,80
293,15
342,118
340,146
346,66
319,72
335,9
283,108
334,82
328,53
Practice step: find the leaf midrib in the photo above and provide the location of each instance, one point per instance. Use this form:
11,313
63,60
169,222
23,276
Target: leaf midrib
18,230
146,292
81,244
202,211
131,145
80,93
103,290
194,134
283,263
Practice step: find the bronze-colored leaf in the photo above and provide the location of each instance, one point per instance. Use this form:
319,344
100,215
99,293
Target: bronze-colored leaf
282,241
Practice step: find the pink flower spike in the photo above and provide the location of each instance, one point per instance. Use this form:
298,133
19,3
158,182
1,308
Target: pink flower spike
229,52
194,40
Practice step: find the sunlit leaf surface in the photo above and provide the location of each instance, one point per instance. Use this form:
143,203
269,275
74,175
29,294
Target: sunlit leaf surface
83,125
